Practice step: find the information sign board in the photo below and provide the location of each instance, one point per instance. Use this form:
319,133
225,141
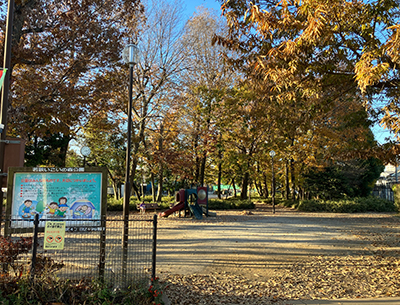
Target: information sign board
76,196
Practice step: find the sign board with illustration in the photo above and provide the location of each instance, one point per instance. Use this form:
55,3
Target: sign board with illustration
76,195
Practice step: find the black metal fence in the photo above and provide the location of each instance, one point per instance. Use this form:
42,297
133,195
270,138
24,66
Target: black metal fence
92,249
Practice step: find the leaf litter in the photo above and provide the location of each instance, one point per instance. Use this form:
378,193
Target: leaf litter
323,277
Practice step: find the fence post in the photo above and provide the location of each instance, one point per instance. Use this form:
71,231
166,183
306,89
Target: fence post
35,242
153,271
102,247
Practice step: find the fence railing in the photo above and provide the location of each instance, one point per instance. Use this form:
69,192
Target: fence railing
384,191
92,249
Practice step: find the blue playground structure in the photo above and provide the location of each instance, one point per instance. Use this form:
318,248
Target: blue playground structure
191,201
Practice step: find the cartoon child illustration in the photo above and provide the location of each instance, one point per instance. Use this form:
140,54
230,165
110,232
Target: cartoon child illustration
52,206
62,200
28,210
62,207
83,210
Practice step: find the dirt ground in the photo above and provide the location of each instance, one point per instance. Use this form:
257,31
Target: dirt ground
242,255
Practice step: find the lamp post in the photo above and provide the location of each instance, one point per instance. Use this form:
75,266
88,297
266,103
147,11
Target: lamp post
272,155
130,56
85,152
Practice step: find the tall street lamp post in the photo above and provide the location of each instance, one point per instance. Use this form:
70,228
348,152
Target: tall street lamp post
130,56
272,155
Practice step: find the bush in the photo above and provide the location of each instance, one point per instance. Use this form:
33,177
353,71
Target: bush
228,204
117,204
16,286
51,290
354,205
396,191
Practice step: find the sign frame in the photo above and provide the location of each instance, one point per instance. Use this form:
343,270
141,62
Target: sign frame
48,174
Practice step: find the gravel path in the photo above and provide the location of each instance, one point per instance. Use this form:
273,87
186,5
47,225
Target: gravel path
242,257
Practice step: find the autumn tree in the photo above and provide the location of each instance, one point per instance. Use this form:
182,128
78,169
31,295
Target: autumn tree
155,75
246,127
205,80
59,50
353,42
306,55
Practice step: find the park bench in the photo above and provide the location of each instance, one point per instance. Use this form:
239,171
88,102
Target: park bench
148,206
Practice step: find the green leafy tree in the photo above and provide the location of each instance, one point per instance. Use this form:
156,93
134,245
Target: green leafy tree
107,143
354,178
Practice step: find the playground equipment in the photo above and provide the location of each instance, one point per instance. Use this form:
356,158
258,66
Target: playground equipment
194,201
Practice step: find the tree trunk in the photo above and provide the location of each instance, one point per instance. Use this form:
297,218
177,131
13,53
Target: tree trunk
265,187
301,193
259,189
115,189
160,166
292,176
258,184
219,179
197,161
234,187
245,185
136,191
250,187
287,187
202,168
136,145
160,185
153,187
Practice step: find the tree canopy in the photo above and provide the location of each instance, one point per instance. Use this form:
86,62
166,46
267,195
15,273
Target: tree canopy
60,53
212,95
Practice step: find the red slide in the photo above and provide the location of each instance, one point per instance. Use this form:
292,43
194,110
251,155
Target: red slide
173,209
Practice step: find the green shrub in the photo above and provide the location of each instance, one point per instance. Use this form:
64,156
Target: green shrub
228,204
354,205
166,201
396,191
117,204
16,286
52,290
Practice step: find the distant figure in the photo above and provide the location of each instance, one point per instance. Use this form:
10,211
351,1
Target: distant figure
142,208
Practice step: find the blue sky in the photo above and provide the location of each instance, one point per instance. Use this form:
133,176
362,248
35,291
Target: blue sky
192,4
380,134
